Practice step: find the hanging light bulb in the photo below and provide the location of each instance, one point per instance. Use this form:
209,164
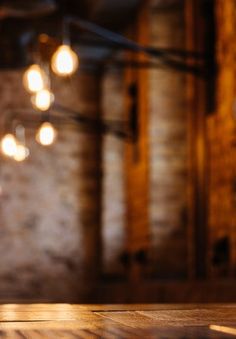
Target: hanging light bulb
64,61
42,100
33,79
9,145
46,134
22,153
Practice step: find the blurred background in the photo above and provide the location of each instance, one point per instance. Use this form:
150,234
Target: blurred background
117,173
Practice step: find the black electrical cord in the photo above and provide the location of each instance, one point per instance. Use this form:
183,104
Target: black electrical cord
171,58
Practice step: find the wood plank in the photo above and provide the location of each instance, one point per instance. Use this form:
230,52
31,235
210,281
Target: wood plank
130,319
184,332
192,317
71,309
117,321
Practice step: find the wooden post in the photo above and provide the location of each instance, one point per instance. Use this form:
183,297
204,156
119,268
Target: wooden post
90,189
222,131
136,155
196,94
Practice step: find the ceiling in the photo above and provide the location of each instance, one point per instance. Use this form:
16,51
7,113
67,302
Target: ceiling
22,21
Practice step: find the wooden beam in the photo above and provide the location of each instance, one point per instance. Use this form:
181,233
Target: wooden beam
196,95
136,154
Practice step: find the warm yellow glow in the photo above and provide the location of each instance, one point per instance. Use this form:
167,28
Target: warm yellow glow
33,79
8,145
223,329
64,61
42,100
22,152
46,134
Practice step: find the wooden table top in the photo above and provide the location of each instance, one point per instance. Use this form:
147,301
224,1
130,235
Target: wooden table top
117,321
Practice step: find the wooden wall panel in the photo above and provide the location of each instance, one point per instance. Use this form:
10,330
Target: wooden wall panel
136,154
221,136
197,110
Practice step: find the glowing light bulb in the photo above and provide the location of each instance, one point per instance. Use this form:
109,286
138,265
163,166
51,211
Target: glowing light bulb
64,61
42,100
22,152
33,79
46,134
8,145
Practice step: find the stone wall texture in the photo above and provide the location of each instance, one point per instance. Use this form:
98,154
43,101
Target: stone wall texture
63,211
64,208
113,192
168,160
48,202
168,150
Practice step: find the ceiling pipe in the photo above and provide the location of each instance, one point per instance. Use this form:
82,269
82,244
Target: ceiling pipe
26,9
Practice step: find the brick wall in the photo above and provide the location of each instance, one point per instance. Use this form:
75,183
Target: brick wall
168,159
113,193
50,205
168,149
63,210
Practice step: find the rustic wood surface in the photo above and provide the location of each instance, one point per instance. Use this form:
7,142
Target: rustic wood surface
117,321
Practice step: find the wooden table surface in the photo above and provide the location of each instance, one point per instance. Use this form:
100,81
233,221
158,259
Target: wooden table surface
117,321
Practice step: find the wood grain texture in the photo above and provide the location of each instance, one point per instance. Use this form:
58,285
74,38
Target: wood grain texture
221,143
136,154
117,321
